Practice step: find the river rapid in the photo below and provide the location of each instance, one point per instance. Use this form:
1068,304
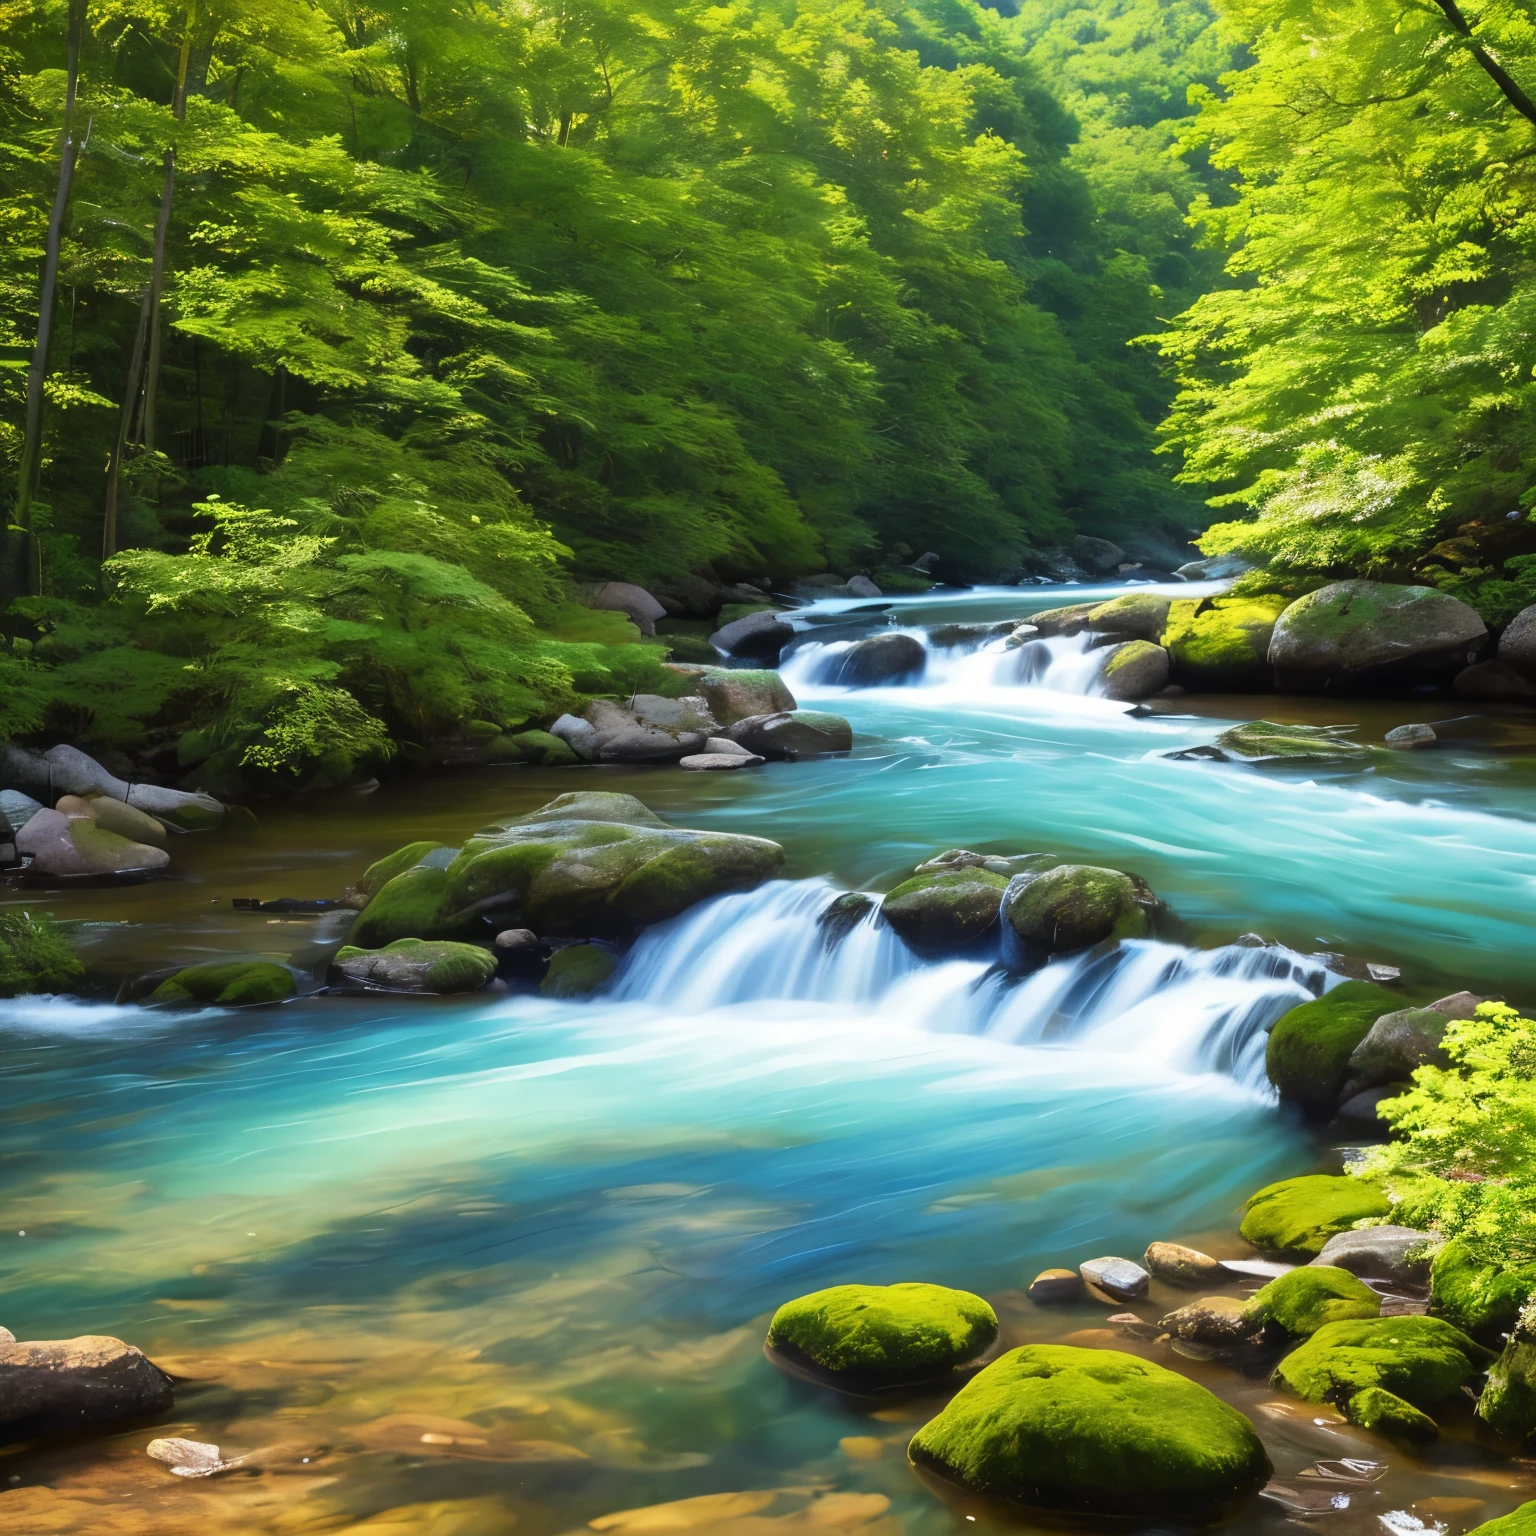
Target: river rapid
459,1267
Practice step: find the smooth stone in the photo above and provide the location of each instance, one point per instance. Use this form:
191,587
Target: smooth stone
1394,1254
1394,1046
1075,906
862,586
1178,1265
1056,1285
1361,1108
793,734
77,1384
636,603
1308,1054
758,635
578,735
733,695
1022,634
417,965
1129,1326
1219,1320
728,748
881,659
114,816
75,845
516,938
1137,616
1298,1216
227,984
717,762
1221,645
1071,620
1517,645
1303,1300
1459,1005
1096,554
1135,670
1120,1278
543,749
1405,738
946,910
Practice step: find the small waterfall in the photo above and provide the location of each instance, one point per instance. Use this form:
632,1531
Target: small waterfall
1177,1009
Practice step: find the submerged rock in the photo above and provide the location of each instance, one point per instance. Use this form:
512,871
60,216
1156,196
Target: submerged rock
870,1337
227,984
1266,743
1301,1301
416,965
889,658
1135,670
1297,1216
1094,1432
1309,1048
190,1458
578,970
1051,1286
1221,1321
733,696
1119,1278
1075,906
73,846
1177,1265
1369,634
77,1384
1478,1296
1398,1255
1221,645
1492,680
945,910
793,734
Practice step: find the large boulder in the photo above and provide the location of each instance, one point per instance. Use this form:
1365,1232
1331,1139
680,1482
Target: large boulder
1298,1216
1302,1300
1075,906
1071,620
227,984
115,816
868,1337
1397,1255
1492,680
68,771
572,868
793,734
1394,1046
1310,1047
416,965
761,636
74,846
1517,645
889,658
625,597
77,1384
1221,645
1096,554
733,696
1135,670
1096,1432
1135,616
945,910
1367,635
577,734
1475,1294
626,736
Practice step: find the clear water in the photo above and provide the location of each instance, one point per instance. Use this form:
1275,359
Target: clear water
460,1267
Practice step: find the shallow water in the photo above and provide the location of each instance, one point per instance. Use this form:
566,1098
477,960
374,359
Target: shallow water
447,1267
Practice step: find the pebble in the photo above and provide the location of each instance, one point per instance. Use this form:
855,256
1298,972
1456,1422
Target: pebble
1052,1285
1119,1278
1179,1265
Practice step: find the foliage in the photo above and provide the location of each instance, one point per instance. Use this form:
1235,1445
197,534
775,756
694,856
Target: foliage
34,956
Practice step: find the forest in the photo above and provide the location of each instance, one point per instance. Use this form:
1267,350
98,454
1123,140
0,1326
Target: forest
343,347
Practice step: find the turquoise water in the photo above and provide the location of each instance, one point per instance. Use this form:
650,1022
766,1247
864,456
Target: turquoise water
455,1267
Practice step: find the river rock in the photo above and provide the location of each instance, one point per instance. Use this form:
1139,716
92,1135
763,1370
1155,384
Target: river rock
869,1337
75,845
862,586
512,939
115,816
1218,1320
1221,645
189,1458
1517,645
888,658
584,865
1096,554
1136,616
1369,634
1213,568
1022,634
578,970
1394,1046
1075,906
68,771
723,746
1508,1401
624,737
578,735
761,636
946,636
1119,1278
718,762
946,910
842,915
1303,1300
1492,680
1309,1048
227,984
1051,1286
625,597
793,734
1008,864
541,749
1094,1432
733,696
416,965
689,715
77,1384
1266,743
1135,670
1071,620
1176,1265
1408,738
1298,1216
1398,1255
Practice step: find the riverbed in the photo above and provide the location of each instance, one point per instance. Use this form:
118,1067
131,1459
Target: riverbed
458,1267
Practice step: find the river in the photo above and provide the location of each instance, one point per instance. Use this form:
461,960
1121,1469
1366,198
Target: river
443,1268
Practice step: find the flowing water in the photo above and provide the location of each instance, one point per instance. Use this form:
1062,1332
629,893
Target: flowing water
461,1267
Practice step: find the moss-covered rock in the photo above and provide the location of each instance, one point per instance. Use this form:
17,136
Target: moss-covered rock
793,734
1309,1047
1077,905
1071,620
382,871
538,748
1508,1401
1420,1359
416,965
227,984
1219,645
578,970
1095,1432
1519,1522
1479,1297
1136,615
1134,670
1297,1216
868,1337
945,910
1303,1300
1388,1414
733,695
592,805
410,905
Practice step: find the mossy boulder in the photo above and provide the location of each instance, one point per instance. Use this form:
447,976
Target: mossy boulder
1297,1216
1097,1432
733,696
1519,1522
1077,905
1388,1414
870,1337
1133,670
1422,1360
1302,1301
1221,645
1508,1401
227,984
1136,616
382,871
1071,620
584,865
946,910
537,748
416,965
1309,1048
1479,1297
578,970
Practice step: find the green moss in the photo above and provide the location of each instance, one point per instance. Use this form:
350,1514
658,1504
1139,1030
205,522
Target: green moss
410,906
541,749
577,971
1309,1047
1076,905
34,956
1141,615
1421,1359
1095,1432
227,984
1519,1522
733,695
380,873
1388,1414
1222,643
873,1336
1303,1300
1126,655
1479,1297
943,911
501,871
1298,1216
1508,1402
